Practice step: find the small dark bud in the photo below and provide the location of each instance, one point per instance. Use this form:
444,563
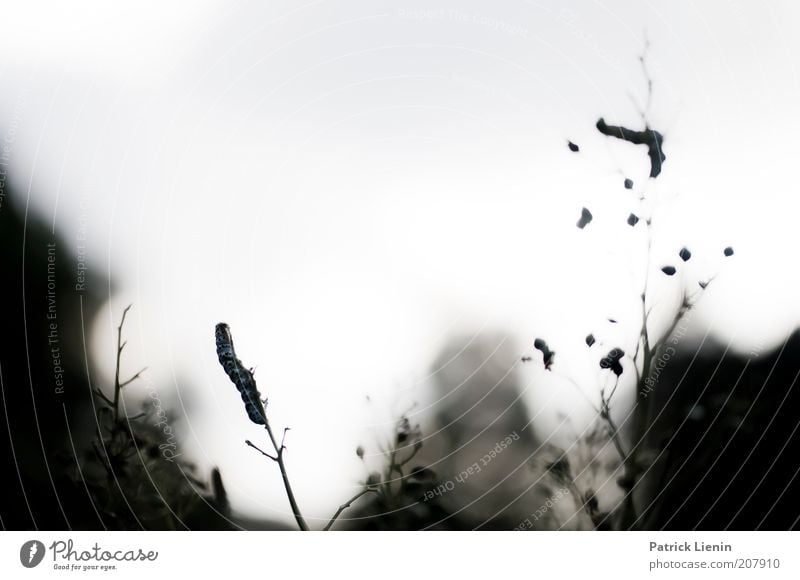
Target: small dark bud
728,252
360,452
633,219
612,320
586,218
572,147
685,254
590,340
669,270
703,284
628,184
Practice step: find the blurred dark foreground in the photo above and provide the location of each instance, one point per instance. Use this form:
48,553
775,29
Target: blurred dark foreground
724,441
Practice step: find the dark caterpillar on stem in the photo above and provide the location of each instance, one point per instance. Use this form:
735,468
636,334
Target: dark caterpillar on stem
241,376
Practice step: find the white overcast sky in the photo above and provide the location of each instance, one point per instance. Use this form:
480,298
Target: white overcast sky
352,184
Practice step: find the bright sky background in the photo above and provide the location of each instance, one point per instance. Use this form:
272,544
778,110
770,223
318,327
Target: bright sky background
352,184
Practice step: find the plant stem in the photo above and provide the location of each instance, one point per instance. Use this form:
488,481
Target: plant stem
301,522
120,346
347,504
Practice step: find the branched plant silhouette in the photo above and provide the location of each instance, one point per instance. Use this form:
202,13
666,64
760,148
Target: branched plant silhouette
131,472
649,342
245,382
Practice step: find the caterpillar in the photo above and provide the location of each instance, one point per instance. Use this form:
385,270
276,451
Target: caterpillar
241,376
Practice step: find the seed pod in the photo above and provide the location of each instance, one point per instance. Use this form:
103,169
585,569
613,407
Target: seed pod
240,376
590,340
633,219
586,218
611,361
728,252
572,147
685,254
628,183
669,270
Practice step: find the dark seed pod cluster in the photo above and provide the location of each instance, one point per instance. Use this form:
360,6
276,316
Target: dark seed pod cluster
241,376
611,361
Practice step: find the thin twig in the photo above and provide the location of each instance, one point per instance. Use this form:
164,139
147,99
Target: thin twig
414,450
605,414
301,522
120,346
99,393
262,452
133,378
347,504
